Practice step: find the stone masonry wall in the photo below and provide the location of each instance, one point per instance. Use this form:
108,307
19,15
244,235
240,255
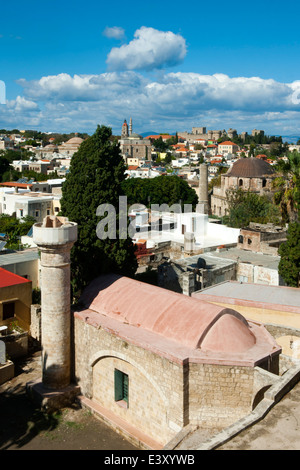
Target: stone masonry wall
164,396
219,395
156,385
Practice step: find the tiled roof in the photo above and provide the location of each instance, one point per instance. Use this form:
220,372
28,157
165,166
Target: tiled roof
9,279
250,168
227,142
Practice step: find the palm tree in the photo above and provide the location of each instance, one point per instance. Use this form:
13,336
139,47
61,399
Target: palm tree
287,184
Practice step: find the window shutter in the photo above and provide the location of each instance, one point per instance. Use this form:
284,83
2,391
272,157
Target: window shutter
125,387
118,385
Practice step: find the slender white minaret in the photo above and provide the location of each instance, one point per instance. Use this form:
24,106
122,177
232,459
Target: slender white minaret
55,238
130,126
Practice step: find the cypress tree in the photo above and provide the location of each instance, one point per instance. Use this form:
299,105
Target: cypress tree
97,171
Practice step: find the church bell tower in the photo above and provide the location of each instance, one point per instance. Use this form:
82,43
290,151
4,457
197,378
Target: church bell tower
124,133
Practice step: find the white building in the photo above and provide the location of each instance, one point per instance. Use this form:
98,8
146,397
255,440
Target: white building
180,162
142,173
227,147
24,203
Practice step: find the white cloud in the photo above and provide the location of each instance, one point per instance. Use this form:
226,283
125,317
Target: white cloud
221,92
21,104
114,32
61,86
151,49
177,101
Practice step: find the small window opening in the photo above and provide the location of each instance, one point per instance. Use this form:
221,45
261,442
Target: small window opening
121,387
8,310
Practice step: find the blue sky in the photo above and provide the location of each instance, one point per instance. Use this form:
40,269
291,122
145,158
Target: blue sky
69,66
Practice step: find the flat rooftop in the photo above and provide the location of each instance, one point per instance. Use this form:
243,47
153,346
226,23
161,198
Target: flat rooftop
257,293
245,256
228,256
213,261
18,256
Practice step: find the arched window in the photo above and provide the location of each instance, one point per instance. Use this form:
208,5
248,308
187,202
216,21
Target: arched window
240,182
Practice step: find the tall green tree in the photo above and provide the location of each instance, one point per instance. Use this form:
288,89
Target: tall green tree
97,171
289,264
4,166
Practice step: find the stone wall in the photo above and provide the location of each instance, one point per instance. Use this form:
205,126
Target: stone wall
247,272
182,278
155,383
261,241
219,395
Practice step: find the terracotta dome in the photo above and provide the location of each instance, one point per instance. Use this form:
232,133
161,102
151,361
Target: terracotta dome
74,141
250,168
196,325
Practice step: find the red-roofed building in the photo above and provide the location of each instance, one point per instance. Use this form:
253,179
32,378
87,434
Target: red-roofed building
14,184
10,279
15,299
227,147
262,157
163,136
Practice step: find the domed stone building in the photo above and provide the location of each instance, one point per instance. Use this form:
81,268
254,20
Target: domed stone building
156,366
250,174
70,147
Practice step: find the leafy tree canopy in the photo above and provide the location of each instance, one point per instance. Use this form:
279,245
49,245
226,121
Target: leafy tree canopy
245,207
15,228
159,190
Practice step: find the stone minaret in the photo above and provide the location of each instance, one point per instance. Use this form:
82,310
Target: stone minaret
203,189
130,126
55,238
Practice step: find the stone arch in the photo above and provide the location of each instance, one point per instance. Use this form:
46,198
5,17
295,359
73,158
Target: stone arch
107,353
143,394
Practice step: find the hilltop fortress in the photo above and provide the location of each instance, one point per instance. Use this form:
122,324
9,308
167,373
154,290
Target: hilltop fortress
202,133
